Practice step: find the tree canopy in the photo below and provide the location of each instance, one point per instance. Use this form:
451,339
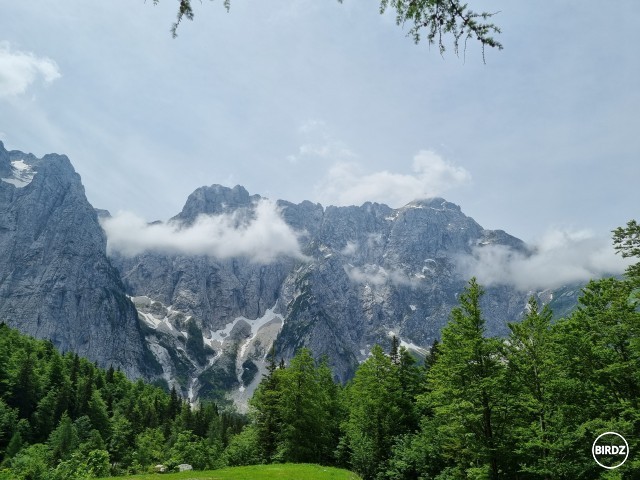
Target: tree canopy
626,241
434,19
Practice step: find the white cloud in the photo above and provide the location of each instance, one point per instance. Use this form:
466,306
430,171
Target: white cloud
348,184
261,239
375,275
559,258
18,70
349,249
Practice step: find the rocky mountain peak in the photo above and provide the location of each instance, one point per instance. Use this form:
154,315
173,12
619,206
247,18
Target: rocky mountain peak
369,270
215,200
17,168
436,203
56,281
205,324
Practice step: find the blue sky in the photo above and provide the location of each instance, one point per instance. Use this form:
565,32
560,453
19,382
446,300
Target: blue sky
333,103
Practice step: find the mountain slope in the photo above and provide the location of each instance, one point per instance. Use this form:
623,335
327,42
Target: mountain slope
369,272
204,317
56,281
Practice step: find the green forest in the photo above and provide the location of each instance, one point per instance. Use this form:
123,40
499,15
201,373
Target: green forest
528,406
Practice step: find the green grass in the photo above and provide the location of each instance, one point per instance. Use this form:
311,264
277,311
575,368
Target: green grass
282,471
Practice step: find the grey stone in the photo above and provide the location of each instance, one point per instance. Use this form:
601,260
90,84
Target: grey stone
56,281
372,271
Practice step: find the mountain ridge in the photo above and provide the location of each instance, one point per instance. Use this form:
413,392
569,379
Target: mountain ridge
205,323
371,271
55,279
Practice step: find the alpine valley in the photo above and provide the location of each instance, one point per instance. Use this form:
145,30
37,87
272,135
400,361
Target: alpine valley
205,322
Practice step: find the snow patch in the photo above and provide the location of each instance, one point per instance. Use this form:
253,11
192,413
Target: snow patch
161,324
22,174
220,335
408,345
264,331
414,347
257,324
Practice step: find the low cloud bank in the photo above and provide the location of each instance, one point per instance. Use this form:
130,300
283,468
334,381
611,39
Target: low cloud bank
376,276
559,258
261,239
347,184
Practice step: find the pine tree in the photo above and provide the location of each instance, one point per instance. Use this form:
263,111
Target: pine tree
265,404
97,413
174,404
329,411
432,356
300,410
46,416
394,353
24,391
373,413
410,385
466,390
598,352
531,376
63,440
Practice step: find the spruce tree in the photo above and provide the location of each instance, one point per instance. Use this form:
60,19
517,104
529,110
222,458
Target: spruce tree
598,352
373,413
265,405
301,410
532,374
466,386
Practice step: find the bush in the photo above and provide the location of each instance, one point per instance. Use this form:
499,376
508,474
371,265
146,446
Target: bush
243,449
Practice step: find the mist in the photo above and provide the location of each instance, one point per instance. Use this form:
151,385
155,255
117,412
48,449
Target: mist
559,258
262,238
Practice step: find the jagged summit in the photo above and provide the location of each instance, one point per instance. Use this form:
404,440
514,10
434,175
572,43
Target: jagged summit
215,200
20,169
369,270
219,199
56,281
16,168
436,203
203,321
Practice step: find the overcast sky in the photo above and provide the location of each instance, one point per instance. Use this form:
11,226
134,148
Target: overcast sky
311,99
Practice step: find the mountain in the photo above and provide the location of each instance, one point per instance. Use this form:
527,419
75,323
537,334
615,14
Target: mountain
368,273
56,281
204,318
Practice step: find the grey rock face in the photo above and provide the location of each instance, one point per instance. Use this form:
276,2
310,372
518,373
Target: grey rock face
372,272
206,325
378,272
5,162
215,200
55,279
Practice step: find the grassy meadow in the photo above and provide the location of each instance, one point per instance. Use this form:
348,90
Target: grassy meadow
285,471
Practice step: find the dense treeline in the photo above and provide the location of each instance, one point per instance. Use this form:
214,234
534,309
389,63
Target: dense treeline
525,407
63,418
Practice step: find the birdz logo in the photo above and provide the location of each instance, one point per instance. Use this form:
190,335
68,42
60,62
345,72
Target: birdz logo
610,450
